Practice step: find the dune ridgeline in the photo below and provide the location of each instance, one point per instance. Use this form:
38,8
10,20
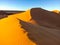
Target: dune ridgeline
32,27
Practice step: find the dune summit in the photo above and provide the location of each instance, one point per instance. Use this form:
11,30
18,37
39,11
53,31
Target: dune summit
33,27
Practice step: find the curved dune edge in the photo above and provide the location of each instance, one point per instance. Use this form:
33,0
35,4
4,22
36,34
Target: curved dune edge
25,16
11,32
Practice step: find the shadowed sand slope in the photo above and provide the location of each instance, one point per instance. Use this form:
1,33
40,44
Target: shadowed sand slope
45,18
33,27
41,35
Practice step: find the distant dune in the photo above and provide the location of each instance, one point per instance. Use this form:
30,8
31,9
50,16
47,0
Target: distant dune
6,13
56,11
32,27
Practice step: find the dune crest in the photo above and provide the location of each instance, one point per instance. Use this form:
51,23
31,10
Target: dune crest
46,32
25,16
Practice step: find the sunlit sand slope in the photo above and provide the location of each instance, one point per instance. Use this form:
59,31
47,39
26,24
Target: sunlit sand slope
11,32
56,11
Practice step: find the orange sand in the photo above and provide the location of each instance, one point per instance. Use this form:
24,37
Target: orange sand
56,11
11,32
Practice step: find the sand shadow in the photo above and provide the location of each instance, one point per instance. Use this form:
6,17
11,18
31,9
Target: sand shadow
41,35
45,18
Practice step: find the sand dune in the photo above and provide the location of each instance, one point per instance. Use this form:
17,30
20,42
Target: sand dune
45,18
11,32
56,11
33,27
46,30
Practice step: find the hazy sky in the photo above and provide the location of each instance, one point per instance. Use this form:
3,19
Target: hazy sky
27,4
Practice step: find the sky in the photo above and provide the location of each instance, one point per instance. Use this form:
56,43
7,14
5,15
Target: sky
28,4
